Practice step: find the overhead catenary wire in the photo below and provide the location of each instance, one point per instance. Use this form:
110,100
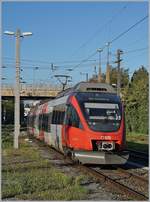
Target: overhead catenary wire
127,30
12,65
135,50
46,62
126,52
145,37
99,30
114,39
7,65
93,54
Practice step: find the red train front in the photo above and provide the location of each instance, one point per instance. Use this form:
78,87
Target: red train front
89,125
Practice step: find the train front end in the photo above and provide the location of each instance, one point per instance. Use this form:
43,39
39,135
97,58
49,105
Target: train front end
99,137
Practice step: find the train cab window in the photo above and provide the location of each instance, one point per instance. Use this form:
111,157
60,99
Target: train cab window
72,118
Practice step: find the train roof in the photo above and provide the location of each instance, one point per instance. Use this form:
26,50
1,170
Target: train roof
88,87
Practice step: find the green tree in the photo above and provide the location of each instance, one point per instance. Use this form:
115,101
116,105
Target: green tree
7,112
124,76
136,98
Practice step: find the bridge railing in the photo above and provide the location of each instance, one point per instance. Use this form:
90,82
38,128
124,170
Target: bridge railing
31,90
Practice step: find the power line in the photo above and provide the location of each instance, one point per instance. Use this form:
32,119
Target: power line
100,29
132,51
136,50
126,31
46,62
137,40
67,66
82,61
44,67
116,38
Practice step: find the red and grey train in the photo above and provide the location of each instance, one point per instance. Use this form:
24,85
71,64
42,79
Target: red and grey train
86,122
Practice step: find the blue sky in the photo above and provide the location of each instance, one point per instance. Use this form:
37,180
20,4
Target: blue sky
70,32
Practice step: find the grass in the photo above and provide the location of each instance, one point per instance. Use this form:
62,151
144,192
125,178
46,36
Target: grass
138,142
37,184
27,176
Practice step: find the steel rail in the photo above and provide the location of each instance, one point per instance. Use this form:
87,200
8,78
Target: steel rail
133,175
100,176
114,183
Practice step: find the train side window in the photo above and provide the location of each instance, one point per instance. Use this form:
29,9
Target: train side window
33,121
40,122
46,122
49,121
43,121
58,118
62,117
53,117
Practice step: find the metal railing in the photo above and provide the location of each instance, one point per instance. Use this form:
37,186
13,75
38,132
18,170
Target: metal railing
31,90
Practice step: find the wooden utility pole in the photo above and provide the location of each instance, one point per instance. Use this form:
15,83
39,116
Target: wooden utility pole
107,65
108,74
99,72
119,52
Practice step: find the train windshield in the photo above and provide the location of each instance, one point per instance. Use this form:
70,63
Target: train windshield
102,113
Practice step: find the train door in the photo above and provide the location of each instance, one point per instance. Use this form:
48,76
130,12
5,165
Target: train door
74,133
56,129
53,129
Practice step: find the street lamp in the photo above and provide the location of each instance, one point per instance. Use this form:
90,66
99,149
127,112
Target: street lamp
18,34
108,53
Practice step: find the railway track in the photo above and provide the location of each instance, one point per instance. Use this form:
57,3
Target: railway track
120,182
117,179
135,175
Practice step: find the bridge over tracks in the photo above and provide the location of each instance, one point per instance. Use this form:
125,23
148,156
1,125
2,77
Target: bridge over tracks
30,91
